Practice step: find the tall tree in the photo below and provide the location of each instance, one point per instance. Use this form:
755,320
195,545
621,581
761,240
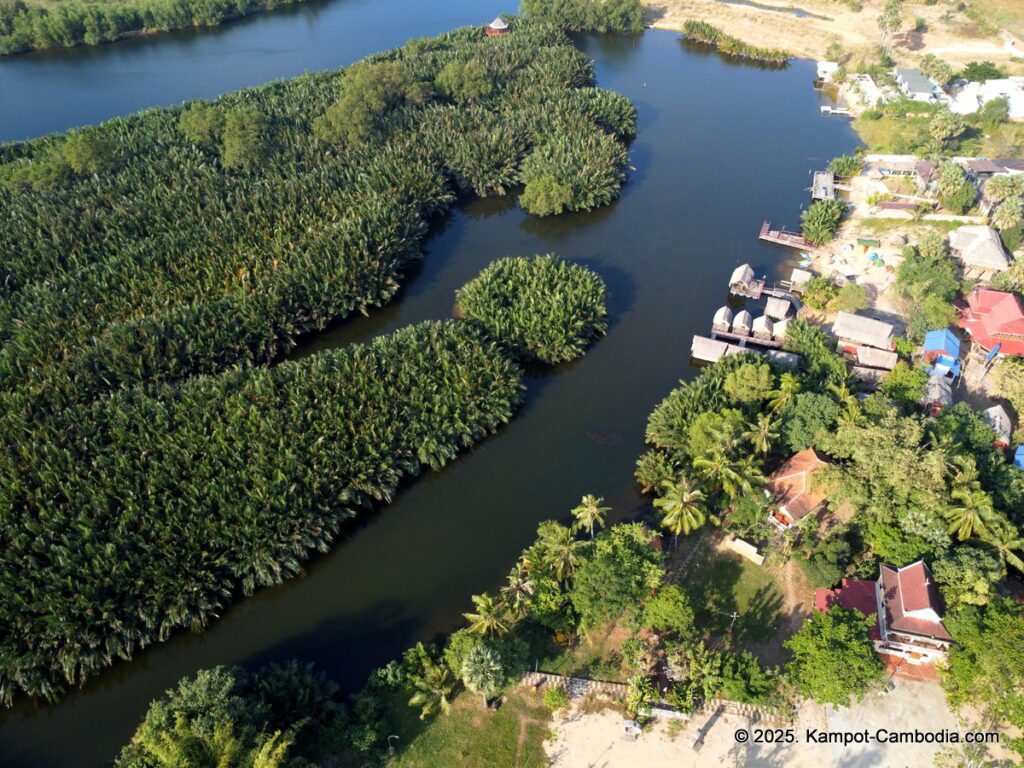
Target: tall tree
682,506
561,551
490,616
762,433
973,507
589,513
518,592
731,475
433,686
483,672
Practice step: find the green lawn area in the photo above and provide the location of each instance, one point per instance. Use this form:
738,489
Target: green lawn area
898,135
907,227
720,583
470,737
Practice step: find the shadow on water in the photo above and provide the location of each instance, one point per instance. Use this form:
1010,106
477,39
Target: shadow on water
720,148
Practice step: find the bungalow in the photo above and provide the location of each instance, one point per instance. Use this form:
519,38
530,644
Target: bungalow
980,251
762,328
995,321
792,489
941,343
869,357
907,609
1002,424
777,308
742,323
916,85
722,319
856,330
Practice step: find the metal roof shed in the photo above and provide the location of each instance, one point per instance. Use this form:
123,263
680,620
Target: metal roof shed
941,342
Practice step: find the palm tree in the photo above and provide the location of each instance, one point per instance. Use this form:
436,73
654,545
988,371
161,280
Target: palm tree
518,593
640,695
789,387
762,433
681,505
434,686
1003,537
561,551
489,618
968,517
483,672
589,513
734,476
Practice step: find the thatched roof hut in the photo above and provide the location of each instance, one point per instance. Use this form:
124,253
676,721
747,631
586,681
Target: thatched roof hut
743,276
742,322
762,327
722,320
777,308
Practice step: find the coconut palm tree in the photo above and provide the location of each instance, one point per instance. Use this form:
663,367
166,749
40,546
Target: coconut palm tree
789,387
762,433
518,592
433,686
490,616
483,672
1003,537
640,695
589,513
967,518
682,506
733,476
561,551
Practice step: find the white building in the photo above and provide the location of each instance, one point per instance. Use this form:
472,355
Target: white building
971,97
917,86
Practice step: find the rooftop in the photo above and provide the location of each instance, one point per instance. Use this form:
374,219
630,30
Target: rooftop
911,601
979,246
792,487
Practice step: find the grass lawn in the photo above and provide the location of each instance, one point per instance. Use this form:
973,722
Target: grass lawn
907,226
471,737
898,134
597,657
720,583
1003,14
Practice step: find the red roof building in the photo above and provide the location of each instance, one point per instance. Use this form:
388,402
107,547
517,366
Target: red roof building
908,633
792,490
994,318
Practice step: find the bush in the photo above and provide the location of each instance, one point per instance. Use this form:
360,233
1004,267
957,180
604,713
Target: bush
846,165
245,140
572,172
546,309
905,384
819,292
588,15
820,222
670,611
555,699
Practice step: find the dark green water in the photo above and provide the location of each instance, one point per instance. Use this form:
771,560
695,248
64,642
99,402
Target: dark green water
721,146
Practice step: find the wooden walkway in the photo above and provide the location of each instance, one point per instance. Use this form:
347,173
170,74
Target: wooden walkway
782,237
747,340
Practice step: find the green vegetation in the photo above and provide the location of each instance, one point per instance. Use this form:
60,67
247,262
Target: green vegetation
190,240
32,25
271,718
927,283
846,165
956,192
822,293
834,659
283,454
821,220
545,309
905,384
702,32
588,15
1008,381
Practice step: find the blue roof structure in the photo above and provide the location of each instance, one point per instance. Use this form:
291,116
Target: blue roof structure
945,366
1018,457
943,341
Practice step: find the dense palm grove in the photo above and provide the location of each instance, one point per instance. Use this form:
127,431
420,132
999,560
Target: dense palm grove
187,240
547,310
26,26
589,15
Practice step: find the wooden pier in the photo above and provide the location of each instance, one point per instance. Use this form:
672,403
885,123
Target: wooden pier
744,341
839,111
782,237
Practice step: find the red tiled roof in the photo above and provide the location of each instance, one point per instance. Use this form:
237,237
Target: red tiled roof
790,484
995,317
908,590
854,595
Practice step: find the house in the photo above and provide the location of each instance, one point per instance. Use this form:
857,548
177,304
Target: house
762,328
856,330
792,489
971,97
869,357
742,323
823,186
938,394
777,308
905,603
722,319
497,28
798,279
995,321
869,379
926,173
983,168
979,250
916,85
910,614
1002,424
941,342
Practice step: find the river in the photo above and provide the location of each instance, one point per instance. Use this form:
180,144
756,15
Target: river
721,146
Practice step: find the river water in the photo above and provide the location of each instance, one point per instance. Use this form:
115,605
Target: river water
721,146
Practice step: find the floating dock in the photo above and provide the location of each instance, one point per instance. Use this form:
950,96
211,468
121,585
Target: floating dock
782,237
712,350
838,111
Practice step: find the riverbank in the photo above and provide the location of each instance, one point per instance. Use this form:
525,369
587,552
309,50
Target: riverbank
806,29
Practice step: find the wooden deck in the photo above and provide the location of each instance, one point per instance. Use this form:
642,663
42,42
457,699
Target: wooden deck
782,237
744,341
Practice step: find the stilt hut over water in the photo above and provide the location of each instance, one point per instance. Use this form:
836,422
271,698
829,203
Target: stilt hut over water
742,323
722,320
744,283
779,329
762,328
777,308
498,27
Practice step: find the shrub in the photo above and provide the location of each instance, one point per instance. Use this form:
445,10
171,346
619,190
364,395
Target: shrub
819,292
245,140
588,15
670,611
820,222
573,172
546,309
555,699
846,165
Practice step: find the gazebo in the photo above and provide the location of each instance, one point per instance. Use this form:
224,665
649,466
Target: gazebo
497,28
